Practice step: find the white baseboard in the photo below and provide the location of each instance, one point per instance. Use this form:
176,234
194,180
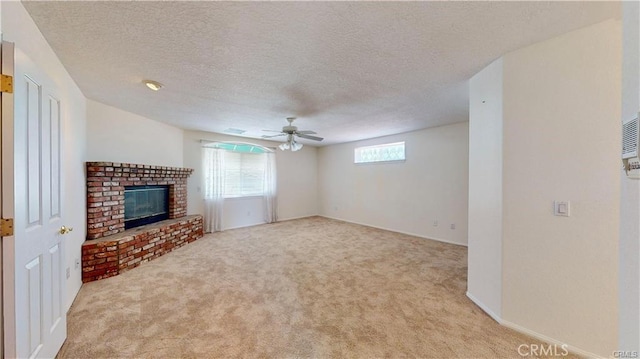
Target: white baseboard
531,333
299,217
259,224
484,308
549,340
395,230
243,226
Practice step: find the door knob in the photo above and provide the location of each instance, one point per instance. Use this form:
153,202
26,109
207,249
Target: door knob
65,230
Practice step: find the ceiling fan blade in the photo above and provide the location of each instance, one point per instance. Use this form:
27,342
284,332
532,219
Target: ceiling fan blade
281,134
306,132
271,131
310,137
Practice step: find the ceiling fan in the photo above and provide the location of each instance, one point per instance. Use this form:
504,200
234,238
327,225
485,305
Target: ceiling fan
292,132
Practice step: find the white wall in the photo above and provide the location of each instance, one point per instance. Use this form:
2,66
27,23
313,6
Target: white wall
18,27
297,183
242,212
561,112
629,284
484,280
432,184
115,135
560,141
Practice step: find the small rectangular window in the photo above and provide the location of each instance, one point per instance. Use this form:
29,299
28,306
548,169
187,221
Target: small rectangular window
380,153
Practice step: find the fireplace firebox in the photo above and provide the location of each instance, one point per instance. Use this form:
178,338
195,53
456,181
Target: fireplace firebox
145,205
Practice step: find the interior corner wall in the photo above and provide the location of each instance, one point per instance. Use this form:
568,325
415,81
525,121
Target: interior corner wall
629,283
297,183
115,135
19,28
484,280
561,113
407,197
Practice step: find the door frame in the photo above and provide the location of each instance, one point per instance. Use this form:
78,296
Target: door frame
7,207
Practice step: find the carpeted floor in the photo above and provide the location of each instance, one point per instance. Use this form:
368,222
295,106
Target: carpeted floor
308,288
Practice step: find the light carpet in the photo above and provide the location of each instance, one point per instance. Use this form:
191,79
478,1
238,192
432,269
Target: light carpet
307,288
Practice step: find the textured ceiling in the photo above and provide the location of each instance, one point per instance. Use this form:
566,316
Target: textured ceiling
348,70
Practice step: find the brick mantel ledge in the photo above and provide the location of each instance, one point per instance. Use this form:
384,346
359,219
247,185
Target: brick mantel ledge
105,192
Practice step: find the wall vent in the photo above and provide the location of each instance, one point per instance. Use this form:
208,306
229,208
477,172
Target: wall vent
630,139
235,131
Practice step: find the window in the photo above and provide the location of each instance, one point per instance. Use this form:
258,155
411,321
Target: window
380,153
240,169
243,174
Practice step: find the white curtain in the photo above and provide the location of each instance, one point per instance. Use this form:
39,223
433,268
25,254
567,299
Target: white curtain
213,166
270,189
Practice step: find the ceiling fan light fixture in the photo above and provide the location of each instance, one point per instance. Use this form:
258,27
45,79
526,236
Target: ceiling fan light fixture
292,132
295,146
153,85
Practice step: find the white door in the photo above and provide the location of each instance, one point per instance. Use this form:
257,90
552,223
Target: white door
2,174
38,250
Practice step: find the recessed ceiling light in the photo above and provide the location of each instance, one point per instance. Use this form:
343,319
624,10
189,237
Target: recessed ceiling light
154,85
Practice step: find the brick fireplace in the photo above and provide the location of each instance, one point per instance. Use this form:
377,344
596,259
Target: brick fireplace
106,183
110,249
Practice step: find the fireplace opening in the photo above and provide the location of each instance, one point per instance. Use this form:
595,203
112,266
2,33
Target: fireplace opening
145,205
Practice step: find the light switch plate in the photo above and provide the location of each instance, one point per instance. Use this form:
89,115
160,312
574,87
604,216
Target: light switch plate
561,208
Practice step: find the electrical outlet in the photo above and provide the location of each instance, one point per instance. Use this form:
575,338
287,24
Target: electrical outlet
68,272
435,223
561,208
453,226
77,263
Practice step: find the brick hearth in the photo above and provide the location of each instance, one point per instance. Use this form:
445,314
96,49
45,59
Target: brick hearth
112,255
109,249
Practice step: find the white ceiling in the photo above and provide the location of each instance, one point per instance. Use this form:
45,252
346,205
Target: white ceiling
348,70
